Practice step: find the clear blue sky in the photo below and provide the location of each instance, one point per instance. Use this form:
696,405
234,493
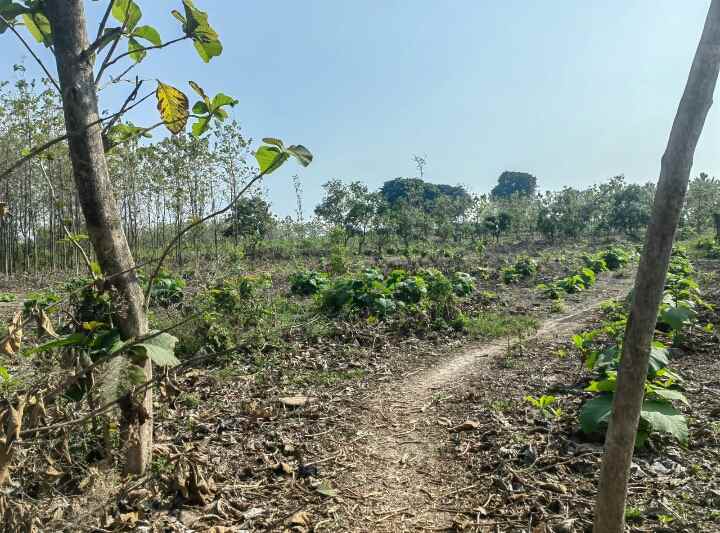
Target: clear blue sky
572,91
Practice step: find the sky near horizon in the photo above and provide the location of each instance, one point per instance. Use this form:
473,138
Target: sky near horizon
573,92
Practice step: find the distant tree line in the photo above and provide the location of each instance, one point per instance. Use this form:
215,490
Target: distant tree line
163,184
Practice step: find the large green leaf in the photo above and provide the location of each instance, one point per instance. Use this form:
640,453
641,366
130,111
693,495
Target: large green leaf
670,394
595,414
128,13
659,414
74,339
160,349
39,26
676,316
196,25
136,50
662,416
659,358
148,33
270,158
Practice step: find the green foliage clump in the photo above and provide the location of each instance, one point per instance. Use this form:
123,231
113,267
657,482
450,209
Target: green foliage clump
428,293
6,297
523,268
307,282
167,289
615,258
662,385
585,277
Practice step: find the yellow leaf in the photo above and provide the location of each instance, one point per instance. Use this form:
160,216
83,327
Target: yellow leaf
173,106
11,343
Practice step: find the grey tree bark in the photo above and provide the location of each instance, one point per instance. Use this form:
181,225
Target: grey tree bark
650,280
79,97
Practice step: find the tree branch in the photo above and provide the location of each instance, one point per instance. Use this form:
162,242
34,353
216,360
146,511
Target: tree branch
145,49
32,53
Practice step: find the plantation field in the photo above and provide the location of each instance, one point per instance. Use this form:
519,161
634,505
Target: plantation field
189,344
352,393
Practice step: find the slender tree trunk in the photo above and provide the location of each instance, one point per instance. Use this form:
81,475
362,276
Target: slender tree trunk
79,97
650,281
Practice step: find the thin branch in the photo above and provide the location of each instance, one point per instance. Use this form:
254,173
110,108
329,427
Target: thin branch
32,53
187,228
123,109
104,20
69,235
145,49
113,46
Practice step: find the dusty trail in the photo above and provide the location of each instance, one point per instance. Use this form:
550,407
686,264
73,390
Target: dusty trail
393,471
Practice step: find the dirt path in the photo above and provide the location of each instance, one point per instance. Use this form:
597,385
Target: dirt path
393,469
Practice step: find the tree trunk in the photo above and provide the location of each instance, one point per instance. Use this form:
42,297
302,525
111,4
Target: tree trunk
79,97
650,280
716,221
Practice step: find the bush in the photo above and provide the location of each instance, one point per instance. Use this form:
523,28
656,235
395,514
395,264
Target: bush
615,258
463,284
307,282
524,267
167,290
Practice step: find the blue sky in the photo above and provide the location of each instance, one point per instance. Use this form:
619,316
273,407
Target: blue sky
574,92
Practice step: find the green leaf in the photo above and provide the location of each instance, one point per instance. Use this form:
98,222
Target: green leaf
96,268
201,125
159,349
670,394
136,50
128,13
301,153
676,317
595,414
75,339
605,385
221,99
274,142
148,33
4,374
659,359
39,26
9,10
662,416
196,25
200,108
270,158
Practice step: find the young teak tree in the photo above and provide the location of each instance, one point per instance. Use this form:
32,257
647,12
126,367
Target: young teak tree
649,283
61,26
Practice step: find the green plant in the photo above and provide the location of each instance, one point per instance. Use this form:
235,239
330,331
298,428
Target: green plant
524,267
167,289
307,282
543,405
7,297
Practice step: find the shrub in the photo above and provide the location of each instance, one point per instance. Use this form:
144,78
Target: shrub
524,267
167,290
463,283
307,282
615,257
